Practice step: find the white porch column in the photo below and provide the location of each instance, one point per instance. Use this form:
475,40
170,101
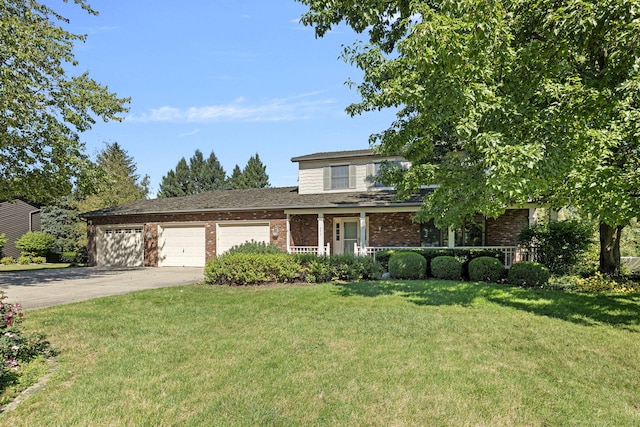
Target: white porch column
321,234
288,234
363,230
452,237
533,216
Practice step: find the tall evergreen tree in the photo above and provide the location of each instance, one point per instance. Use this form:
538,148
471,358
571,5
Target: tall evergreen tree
236,180
115,181
62,222
254,174
195,177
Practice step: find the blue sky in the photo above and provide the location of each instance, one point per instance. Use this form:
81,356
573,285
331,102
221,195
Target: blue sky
236,77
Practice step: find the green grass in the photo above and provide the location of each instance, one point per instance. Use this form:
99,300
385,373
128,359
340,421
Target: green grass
25,267
434,353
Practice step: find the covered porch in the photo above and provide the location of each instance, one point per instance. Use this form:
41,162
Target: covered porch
365,232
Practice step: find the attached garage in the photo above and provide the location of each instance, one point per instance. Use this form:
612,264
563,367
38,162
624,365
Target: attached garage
120,247
182,246
230,235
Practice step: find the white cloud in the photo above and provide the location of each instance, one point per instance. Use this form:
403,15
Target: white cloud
297,107
190,133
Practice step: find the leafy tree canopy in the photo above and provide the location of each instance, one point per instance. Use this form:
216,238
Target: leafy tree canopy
503,103
114,180
43,106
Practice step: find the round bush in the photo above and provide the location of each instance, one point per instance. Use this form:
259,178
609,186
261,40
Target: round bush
485,269
35,243
530,274
407,265
446,267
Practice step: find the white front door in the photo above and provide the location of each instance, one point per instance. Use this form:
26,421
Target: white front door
346,233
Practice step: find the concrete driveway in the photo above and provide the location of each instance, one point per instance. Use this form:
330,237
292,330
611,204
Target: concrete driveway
44,288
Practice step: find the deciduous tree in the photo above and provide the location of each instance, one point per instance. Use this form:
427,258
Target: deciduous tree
503,103
44,105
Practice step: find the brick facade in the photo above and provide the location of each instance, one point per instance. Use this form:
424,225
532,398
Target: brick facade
384,229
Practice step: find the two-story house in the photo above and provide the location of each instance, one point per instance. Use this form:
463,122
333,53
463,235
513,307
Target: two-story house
338,207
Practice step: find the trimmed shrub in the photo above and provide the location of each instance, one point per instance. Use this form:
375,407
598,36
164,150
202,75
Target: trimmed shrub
529,274
38,260
254,247
351,268
251,269
485,269
7,260
35,243
24,259
407,265
463,255
315,269
446,267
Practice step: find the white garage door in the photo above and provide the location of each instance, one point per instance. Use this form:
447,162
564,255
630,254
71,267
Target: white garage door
182,247
120,247
230,235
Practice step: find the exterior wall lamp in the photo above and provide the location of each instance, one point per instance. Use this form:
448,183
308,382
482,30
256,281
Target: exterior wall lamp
275,232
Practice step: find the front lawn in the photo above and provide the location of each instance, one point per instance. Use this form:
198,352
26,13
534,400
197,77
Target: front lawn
379,353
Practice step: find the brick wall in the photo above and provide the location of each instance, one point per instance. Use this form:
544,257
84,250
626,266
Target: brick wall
504,230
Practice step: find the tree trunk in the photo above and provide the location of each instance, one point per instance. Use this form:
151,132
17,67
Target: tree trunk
610,248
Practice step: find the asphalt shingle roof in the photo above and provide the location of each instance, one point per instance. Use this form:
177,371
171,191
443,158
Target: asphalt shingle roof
335,155
255,199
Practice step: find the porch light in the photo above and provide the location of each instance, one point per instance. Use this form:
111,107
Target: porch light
275,232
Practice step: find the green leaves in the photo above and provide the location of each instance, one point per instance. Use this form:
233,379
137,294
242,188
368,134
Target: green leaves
43,106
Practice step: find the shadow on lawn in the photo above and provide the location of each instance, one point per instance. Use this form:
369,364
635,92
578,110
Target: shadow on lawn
584,309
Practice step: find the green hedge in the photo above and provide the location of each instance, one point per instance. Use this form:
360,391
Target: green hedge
251,269
407,265
463,255
529,274
485,269
446,267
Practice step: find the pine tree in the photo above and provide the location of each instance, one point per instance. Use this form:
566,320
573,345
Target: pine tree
254,174
115,182
237,179
197,176
62,222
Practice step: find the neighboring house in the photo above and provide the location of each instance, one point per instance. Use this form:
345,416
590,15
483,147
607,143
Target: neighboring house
337,208
16,218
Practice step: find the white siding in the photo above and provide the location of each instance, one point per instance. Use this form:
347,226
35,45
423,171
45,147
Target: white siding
311,174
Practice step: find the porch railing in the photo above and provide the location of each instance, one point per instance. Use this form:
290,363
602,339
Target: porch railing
512,254
314,250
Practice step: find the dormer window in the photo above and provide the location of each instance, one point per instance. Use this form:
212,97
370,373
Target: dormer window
339,177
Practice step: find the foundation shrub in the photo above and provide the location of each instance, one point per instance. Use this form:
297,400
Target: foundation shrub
446,267
315,269
7,260
485,269
353,269
254,247
251,269
528,274
407,265
463,255
595,283
3,241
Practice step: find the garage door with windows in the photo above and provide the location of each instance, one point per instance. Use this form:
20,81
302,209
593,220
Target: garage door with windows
120,247
182,247
230,235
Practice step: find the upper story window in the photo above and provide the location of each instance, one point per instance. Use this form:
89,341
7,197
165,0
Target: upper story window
339,177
